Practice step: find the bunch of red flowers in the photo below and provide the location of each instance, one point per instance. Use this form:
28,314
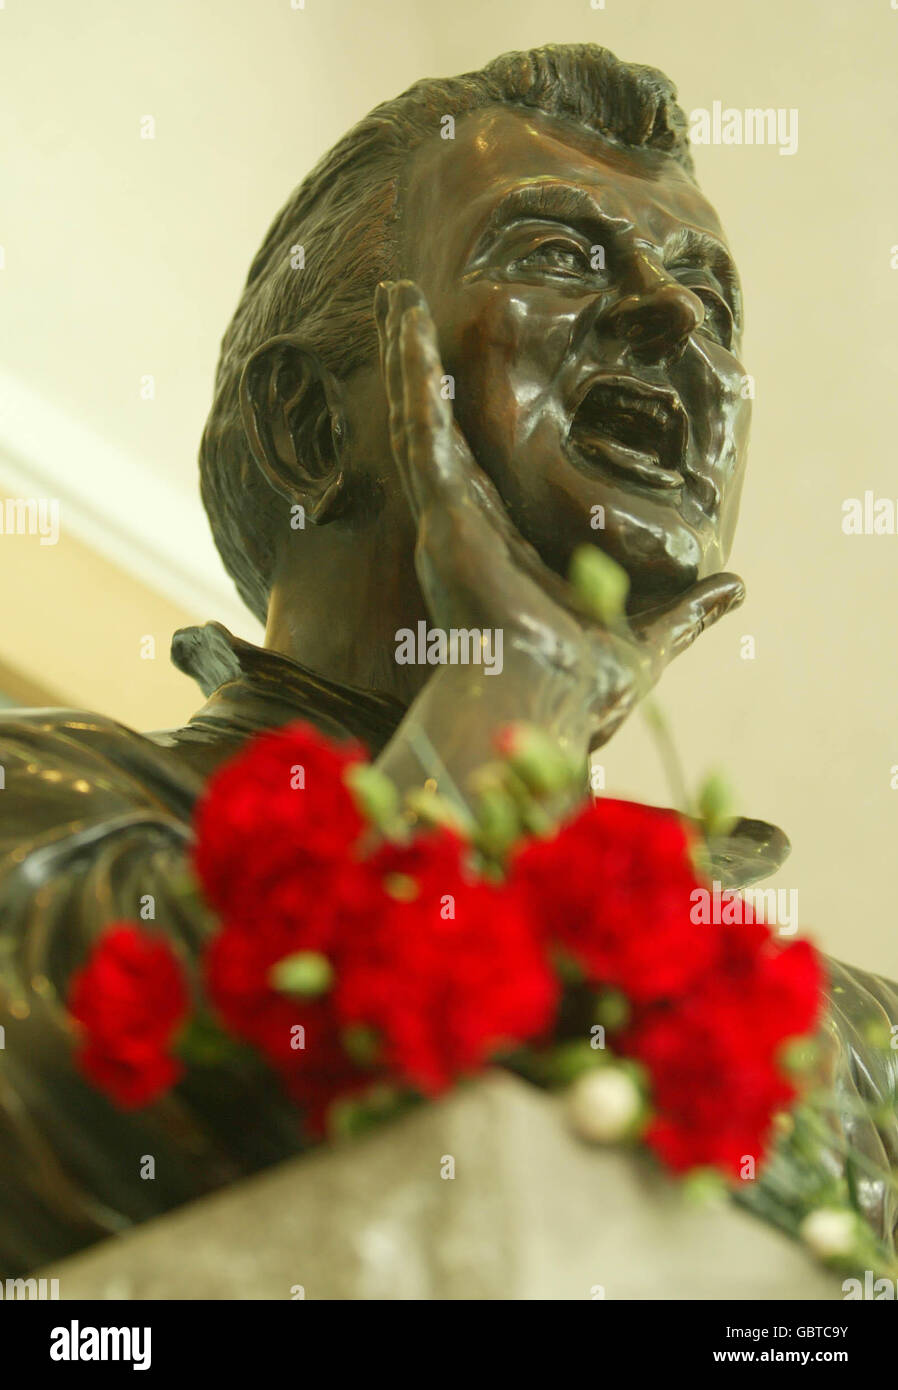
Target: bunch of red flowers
710,1005
349,960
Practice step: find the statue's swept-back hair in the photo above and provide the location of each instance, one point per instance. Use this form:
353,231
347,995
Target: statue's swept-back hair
345,217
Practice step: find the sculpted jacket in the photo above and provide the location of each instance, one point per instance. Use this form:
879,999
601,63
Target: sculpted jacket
93,818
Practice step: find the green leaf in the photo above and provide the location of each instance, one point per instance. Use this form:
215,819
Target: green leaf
361,1043
374,793
203,1043
612,1009
704,1185
348,1117
567,1061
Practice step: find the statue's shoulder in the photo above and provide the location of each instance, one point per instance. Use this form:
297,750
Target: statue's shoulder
62,767
77,726
93,815
95,828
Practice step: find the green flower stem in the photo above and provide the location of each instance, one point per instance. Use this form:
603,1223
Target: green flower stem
670,761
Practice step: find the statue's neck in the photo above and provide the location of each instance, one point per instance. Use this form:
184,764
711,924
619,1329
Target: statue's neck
339,613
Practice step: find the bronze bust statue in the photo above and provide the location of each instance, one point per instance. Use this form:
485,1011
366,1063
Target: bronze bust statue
498,320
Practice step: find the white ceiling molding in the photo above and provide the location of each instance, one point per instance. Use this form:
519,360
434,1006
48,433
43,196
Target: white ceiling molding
116,505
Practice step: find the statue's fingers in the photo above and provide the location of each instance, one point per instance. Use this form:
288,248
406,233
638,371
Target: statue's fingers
393,377
684,620
437,474
381,305
390,300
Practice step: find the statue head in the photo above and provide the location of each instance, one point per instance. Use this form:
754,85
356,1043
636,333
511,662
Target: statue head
588,313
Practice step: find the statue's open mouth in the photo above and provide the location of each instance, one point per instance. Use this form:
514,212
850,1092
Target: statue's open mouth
633,428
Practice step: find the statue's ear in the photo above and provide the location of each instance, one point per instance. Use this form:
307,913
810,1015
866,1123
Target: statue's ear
291,406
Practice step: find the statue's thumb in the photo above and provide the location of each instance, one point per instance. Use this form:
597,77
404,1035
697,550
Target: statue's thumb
704,605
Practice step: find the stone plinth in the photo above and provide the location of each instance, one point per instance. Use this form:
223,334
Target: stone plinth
531,1213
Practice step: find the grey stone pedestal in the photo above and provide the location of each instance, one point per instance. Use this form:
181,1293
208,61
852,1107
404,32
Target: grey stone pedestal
531,1213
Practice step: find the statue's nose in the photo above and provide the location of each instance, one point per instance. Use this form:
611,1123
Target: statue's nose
655,322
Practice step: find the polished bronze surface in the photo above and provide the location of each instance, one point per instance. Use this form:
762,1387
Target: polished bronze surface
512,335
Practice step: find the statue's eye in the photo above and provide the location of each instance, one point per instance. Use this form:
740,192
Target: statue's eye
719,323
718,316
557,256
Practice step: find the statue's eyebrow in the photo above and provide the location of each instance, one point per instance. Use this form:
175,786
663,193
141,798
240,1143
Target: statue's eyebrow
552,201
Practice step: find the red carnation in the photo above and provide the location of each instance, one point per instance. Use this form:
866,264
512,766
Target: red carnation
446,969
716,1078
131,1075
779,987
276,828
129,998
614,888
714,1090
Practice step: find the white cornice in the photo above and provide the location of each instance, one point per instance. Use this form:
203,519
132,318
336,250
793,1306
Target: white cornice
116,505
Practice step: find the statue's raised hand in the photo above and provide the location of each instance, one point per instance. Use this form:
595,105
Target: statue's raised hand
561,669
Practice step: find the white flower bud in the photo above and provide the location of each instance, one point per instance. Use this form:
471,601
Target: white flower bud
603,1105
829,1232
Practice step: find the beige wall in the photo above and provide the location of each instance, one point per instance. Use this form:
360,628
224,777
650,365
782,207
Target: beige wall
124,258
83,632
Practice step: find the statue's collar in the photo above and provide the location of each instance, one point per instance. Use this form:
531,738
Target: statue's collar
250,688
